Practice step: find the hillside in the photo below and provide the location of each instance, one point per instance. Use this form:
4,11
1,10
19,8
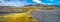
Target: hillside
33,7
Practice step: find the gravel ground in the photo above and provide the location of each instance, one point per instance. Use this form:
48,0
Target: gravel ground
46,15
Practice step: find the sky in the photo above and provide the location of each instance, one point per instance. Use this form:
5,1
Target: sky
27,2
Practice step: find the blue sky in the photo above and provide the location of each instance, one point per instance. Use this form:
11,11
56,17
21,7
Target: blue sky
27,2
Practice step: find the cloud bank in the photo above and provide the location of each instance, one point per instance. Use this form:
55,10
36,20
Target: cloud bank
12,2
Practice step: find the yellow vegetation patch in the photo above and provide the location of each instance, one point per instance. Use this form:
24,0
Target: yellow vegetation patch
17,17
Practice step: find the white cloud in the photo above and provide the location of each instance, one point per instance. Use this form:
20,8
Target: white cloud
11,3
39,1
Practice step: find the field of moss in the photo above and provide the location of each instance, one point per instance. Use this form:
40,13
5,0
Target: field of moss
17,17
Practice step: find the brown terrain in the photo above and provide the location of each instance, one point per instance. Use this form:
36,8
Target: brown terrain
31,7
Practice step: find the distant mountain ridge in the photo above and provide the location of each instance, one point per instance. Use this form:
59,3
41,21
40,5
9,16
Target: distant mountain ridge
41,5
17,9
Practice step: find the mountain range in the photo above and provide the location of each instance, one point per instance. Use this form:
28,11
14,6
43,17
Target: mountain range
31,6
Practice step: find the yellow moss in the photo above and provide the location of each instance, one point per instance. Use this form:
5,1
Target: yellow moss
18,17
